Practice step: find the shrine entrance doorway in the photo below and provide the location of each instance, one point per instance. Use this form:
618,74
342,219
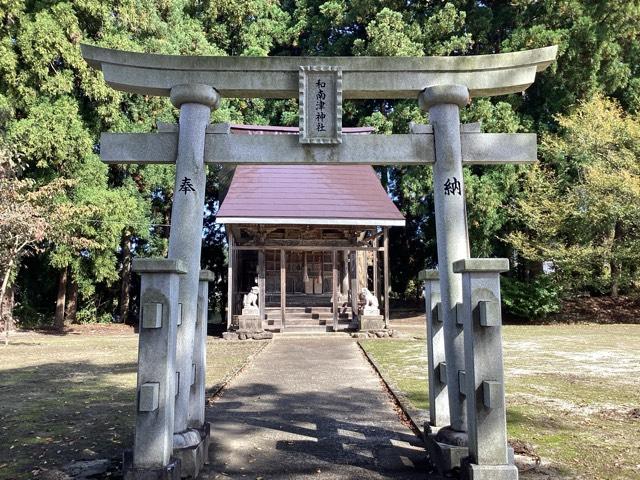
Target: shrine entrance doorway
308,277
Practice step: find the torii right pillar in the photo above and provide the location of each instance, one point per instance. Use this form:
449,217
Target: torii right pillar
443,103
469,436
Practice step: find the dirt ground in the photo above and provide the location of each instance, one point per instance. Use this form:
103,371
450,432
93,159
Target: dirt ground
573,394
599,310
71,397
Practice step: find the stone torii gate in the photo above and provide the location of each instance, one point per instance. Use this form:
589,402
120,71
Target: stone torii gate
171,437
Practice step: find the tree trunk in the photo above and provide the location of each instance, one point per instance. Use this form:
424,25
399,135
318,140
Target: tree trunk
125,290
615,279
3,290
615,267
60,301
72,301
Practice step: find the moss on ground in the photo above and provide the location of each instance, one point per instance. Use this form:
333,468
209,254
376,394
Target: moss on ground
62,394
573,393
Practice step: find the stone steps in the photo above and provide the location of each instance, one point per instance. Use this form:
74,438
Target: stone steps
307,316
308,328
304,325
306,319
290,310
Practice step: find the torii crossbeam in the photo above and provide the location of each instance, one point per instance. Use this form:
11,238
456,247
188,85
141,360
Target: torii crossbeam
195,85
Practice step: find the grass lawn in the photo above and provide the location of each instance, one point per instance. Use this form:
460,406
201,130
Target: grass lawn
61,395
573,393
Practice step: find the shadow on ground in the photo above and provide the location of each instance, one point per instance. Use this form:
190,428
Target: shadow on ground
260,431
53,412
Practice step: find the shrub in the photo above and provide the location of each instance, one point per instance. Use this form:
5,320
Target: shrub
531,300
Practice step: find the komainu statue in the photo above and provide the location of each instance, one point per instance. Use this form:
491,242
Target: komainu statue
371,304
250,302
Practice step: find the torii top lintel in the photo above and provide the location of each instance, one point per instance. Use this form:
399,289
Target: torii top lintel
278,77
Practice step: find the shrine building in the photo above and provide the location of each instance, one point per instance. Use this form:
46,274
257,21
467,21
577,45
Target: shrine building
308,239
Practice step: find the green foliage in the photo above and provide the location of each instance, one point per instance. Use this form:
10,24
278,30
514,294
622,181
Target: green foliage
53,106
388,35
582,212
531,300
92,315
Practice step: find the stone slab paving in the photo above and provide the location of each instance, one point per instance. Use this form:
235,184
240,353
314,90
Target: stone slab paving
310,408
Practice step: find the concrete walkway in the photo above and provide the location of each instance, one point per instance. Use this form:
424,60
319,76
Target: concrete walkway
310,408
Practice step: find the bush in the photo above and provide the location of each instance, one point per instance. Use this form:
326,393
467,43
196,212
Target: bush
534,299
27,316
91,315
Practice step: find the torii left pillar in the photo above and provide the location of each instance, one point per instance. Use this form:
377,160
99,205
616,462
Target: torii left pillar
195,102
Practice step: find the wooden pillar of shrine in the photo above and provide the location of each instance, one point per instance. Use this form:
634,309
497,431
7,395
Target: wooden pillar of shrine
386,277
375,268
334,288
262,294
283,286
230,278
345,274
355,294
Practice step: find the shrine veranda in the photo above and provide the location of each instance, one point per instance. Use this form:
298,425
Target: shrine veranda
467,424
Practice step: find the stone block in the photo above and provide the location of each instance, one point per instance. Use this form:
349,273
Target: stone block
492,394
158,265
442,372
194,457
371,322
83,469
249,323
230,336
191,460
179,313
490,472
148,399
482,265
262,336
444,457
152,315
459,314
438,314
489,312
172,471
462,381
207,275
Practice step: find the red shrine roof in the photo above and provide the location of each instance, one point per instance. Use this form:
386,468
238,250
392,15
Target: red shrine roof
306,194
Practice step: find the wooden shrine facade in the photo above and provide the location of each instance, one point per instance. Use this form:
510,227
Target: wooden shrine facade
310,237
309,275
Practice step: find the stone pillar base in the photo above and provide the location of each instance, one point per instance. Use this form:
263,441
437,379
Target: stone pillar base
370,322
170,472
249,323
194,457
472,471
443,456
